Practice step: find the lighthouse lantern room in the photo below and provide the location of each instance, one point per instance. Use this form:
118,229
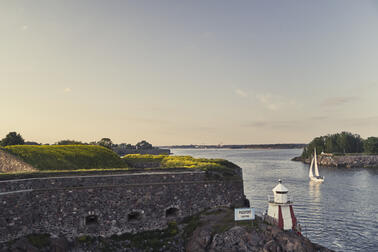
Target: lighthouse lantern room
280,210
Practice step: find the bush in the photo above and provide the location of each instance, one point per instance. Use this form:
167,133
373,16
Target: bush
371,145
67,157
12,138
69,142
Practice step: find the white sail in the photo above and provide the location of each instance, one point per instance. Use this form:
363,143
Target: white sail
310,173
316,165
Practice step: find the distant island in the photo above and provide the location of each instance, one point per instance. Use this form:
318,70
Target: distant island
238,146
342,150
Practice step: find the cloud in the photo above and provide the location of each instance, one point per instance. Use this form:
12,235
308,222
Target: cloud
67,90
319,117
24,27
272,124
361,121
241,93
338,101
257,124
273,102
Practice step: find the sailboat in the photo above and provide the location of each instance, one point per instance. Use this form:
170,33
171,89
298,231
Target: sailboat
314,163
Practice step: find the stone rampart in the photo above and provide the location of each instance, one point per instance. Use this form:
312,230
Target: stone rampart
10,163
349,161
109,204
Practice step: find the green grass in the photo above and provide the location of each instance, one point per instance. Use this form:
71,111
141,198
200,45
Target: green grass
221,166
138,160
191,223
85,158
148,240
67,157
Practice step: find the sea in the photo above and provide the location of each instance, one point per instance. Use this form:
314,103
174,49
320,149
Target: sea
341,213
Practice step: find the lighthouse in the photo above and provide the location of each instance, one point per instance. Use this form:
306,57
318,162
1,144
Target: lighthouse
280,210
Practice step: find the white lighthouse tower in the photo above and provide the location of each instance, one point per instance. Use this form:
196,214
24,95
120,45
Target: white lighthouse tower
280,210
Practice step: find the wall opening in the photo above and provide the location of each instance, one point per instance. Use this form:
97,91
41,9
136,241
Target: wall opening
171,212
91,220
134,216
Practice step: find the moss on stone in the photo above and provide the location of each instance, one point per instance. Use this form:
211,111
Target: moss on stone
39,240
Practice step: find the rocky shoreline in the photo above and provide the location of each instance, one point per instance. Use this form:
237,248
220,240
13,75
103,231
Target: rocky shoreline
348,161
211,230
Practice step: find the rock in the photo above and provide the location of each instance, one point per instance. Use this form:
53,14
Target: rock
270,246
235,239
58,245
213,232
352,161
276,231
253,239
23,244
199,241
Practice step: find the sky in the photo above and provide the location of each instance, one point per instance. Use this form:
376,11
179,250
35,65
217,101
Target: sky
188,72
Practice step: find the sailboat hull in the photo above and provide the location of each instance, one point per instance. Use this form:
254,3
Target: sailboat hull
317,179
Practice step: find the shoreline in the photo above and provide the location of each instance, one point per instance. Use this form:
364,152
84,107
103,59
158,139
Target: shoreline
347,161
209,230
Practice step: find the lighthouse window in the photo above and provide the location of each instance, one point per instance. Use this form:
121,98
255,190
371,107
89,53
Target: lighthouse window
91,220
171,212
281,192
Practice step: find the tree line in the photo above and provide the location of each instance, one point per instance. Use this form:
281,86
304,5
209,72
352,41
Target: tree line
14,138
341,143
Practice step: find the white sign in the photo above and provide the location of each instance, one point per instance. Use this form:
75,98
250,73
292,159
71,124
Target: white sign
244,214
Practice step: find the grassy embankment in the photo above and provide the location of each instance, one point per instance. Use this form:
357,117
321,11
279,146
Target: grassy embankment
220,166
67,157
90,158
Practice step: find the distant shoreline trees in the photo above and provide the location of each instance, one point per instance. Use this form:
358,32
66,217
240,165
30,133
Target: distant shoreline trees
341,143
14,138
371,145
70,142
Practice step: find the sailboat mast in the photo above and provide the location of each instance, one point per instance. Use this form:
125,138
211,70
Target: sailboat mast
316,165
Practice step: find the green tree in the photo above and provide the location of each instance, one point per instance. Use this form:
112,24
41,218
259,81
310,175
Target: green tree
13,138
371,145
344,142
105,142
126,146
144,145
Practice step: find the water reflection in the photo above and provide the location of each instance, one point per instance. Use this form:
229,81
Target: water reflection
314,191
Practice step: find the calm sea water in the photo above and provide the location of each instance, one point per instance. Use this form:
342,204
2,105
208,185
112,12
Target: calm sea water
341,213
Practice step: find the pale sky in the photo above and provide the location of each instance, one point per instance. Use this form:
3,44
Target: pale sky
188,72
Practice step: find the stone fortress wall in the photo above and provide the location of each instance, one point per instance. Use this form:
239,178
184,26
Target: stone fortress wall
103,205
10,163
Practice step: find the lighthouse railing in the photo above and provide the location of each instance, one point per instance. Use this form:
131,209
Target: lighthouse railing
270,198
290,199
